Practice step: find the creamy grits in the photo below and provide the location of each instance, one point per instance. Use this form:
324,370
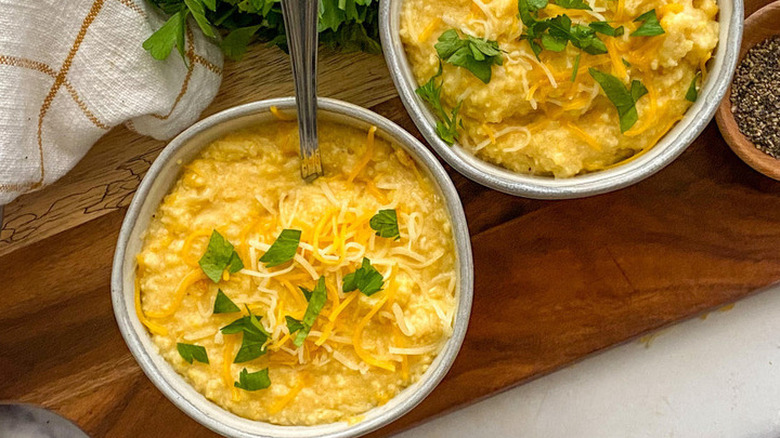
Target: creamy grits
361,350
547,115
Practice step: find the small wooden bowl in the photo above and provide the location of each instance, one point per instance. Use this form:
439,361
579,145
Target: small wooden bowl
759,26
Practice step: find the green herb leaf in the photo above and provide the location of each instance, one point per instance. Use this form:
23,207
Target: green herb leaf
283,249
171,34
573,4
650,25
605,28
306,292
220,255
223,304
366,278
198,10
554,44
473,54
190,352
253,381
211,4
316,303
693,92
234,45
447,125
385,223
293,325
623,98
576,67
253,339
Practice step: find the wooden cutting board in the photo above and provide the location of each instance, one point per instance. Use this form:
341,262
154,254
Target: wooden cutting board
556,281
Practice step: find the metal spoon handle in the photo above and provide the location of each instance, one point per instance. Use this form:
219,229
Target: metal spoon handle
300,23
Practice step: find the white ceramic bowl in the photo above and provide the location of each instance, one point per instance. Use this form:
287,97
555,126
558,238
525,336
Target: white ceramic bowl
156,184
531,186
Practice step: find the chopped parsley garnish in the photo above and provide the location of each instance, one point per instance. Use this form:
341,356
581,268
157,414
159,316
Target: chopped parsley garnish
555,33
622,97
316,303
385,223
650,25
283,249
605,28
447,124
693,92
572,4
253,340
253,381
367,279
220,255
223,304
306,292
473,54
576,67
190,352
293,325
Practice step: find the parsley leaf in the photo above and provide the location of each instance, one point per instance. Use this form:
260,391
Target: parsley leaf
693,92
576,67
316,303
253,381
283,249
555,33
223,304
220,255
253,340
623,98
605,28
385,223
306,292
171,34
293,325
650,25
189,352
572,4
366,278
198,10
473,54
234,45
447,125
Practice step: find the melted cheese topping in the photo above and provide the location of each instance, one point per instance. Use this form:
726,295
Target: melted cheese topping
362,350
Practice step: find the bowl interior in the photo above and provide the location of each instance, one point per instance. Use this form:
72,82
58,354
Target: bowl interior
160,178
668,148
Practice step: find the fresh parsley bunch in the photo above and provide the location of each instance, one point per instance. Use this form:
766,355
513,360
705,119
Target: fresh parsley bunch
345,25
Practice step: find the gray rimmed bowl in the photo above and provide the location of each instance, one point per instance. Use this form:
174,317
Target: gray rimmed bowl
156,184
539,187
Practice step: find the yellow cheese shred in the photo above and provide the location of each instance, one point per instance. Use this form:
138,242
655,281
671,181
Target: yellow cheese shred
194,276
426,33
590,141
618,68
154,328
184,253
227,359
285,400
366,156
357,341
280,115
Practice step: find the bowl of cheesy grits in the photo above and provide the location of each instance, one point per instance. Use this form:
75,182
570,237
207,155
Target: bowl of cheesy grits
265,306
560,98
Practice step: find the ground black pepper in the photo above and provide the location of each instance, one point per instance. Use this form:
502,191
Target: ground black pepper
755,96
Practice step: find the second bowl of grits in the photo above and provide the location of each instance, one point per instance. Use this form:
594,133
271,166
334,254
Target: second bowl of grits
560,98
264,305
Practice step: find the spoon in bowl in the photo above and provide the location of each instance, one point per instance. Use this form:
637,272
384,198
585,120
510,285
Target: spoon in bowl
300,23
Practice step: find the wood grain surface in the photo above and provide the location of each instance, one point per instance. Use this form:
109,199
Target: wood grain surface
556,281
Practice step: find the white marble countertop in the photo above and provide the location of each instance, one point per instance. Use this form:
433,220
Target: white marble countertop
713,377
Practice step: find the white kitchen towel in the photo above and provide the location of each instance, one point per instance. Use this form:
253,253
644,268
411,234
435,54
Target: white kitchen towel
72,70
